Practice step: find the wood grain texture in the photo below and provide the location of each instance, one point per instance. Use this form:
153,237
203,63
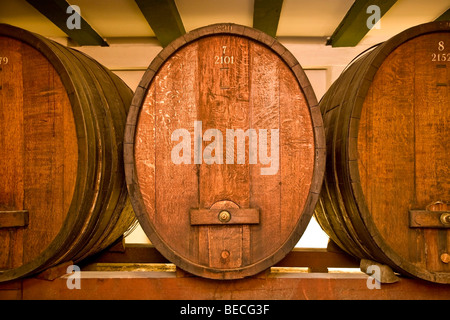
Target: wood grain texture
38,137
387,130
62,121
212,216
12,219
429,219
219,78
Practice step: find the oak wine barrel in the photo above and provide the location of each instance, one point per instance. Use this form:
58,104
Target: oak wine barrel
63,195
386,189
224,151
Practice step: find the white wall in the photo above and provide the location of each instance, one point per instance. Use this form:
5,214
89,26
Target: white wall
323,65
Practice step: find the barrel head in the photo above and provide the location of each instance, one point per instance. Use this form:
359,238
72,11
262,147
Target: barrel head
225,129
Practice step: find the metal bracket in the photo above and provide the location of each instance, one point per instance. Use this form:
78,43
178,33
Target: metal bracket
436,215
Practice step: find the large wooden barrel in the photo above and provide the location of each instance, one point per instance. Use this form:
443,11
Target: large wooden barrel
63,195
212,202
387,181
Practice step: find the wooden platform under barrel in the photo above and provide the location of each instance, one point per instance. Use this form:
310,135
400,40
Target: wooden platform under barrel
213,203
387,187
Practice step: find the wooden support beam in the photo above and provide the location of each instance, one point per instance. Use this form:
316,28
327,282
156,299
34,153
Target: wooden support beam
57,271
354,25
123,285
164,19
266,15
13,219
220,216
56,12
134,253
445,16
298,257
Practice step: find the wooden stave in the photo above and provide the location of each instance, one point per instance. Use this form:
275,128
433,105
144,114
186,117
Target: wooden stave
130,171
83,198
347,168
104,167
117,223
120,197
115,172
341,230
115,159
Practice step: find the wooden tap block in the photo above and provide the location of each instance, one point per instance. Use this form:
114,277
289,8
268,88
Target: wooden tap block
12,219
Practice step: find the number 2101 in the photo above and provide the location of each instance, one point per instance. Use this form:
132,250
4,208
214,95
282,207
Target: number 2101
224,59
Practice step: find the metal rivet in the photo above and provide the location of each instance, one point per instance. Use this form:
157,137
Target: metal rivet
225,254
224,216
445,258
445,218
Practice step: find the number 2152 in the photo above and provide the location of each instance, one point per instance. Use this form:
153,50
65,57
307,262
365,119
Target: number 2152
440,56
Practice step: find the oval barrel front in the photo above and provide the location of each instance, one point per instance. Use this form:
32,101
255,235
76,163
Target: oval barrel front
387,184
62,117
224,152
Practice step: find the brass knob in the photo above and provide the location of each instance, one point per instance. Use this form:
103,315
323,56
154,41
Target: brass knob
445,218
224,216
225,254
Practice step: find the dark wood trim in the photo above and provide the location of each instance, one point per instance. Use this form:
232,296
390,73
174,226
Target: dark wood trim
444,17
266,15
231,216
56,12
314,258
354,25
13,219
429,219
164,19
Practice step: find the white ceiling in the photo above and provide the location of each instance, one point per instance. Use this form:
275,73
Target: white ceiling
299,18
403,15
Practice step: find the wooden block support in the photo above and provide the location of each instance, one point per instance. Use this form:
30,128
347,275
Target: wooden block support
118,246
13,219
222,216
429,219
385,274
55,272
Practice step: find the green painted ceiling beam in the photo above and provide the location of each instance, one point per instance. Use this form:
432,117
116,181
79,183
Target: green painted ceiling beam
164,19
57,12
354,25
266,15
445,16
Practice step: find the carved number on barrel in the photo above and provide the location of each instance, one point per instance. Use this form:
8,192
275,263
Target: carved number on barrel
4,60
440,56
224,59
